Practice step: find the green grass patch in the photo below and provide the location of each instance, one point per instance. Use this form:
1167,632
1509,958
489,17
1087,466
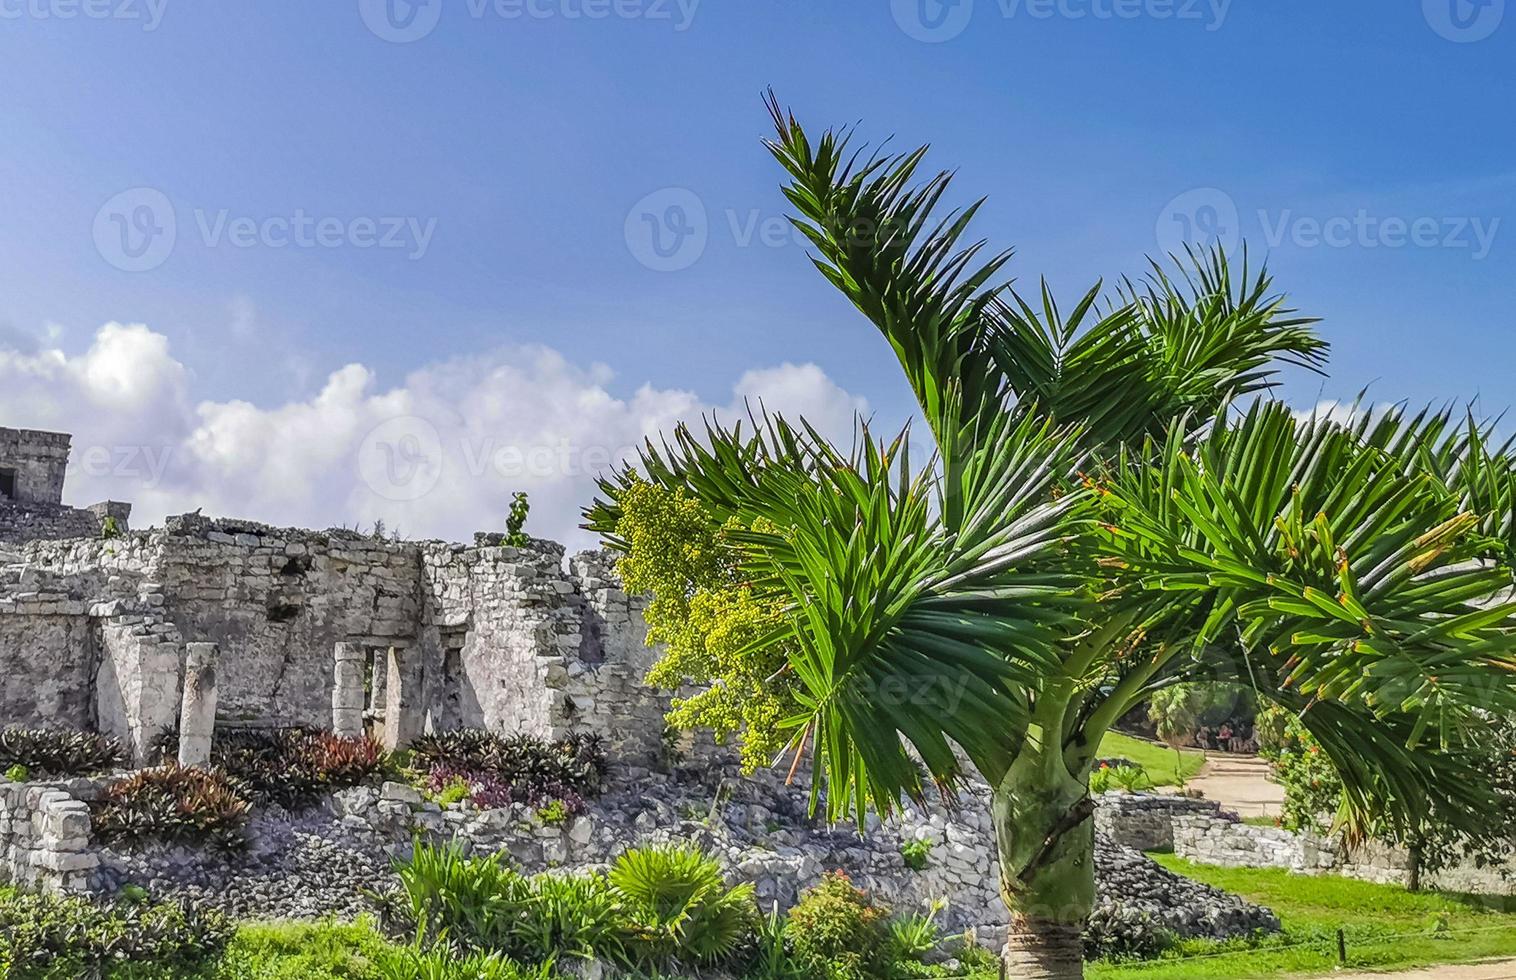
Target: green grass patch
1386,927
1162,764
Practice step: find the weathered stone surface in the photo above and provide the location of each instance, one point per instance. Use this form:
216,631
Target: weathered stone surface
197,712
502,637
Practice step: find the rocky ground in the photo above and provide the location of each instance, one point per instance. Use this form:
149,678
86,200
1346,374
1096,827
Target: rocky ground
1130,880
321,862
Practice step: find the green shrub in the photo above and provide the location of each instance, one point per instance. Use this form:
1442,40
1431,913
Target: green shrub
657,906
916,853
18,773
771,958
1102,780
475,902
916,935
1121,932
454,791
171,804
679,905
556,812
50,936
441,964
1131,778
576,915
838,931
516,521
482,905
55,753
1312,788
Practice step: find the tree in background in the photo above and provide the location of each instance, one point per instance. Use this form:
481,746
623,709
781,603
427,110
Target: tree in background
1097,524
1175,713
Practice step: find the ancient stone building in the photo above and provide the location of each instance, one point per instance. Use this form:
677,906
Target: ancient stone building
333,629
32,469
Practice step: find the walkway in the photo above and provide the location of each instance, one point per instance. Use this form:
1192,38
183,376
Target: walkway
1492,970
1240,784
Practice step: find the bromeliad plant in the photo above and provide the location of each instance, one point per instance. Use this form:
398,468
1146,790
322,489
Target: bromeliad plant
56,753
1099,523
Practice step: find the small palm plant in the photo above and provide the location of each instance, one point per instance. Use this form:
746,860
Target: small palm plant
679,905
1114,507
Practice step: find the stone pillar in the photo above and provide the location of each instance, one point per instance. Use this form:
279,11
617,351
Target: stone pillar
197,708
137,683
347,690
403,702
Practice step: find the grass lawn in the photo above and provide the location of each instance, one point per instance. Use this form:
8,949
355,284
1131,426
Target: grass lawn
1387,928
1158,760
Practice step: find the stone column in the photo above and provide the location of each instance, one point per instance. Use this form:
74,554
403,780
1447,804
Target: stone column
137,683
403,701
197,708
347,690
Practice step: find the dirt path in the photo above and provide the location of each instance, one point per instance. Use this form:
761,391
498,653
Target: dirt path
1492,970
1239,783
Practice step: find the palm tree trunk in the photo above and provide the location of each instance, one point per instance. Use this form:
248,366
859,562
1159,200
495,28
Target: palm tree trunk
1046,840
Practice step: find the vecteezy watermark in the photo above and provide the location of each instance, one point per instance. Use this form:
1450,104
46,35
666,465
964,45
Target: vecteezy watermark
1464,21
136,230
148,13
935,21
1365,229
143,466
1207,218
932,21
403,21
1203,218
540,461
670,229
401,458
301,230
667,230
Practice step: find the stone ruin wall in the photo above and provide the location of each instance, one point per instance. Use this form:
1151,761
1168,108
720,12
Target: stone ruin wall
1220,839
34,521
93,632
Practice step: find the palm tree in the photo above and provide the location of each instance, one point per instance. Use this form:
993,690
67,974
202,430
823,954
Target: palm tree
1115,506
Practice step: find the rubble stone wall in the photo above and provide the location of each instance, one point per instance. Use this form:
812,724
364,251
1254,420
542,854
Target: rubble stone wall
22,522
1232,844
1145,821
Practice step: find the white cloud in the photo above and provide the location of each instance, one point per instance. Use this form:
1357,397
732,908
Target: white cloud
1344,413
437,456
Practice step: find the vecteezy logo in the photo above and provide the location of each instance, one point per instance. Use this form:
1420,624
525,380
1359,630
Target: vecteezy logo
400,21
932,21
135,231
401,459
667,230
1464,20
1203,218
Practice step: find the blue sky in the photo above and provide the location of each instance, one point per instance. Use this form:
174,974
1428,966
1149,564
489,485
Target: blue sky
509,153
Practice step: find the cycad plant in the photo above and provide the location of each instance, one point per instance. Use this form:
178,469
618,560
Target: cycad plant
1115,506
